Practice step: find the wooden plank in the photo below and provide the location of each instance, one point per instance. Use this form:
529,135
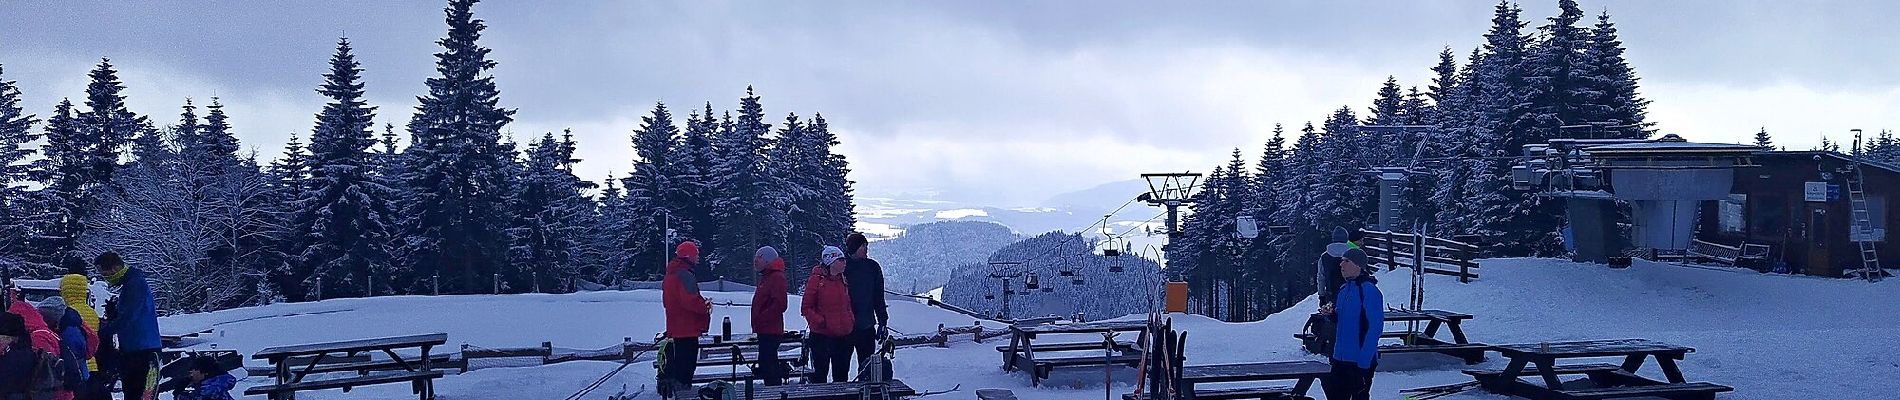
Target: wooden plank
1572,369
1244,372
432,339
1091,327
343,382
1080,346
1118,359
826,391
1592,348
1667,390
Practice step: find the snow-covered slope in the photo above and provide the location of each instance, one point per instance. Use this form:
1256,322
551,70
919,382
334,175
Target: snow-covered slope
1769,336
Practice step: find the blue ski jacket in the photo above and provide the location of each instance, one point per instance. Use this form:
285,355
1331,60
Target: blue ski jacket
1360,312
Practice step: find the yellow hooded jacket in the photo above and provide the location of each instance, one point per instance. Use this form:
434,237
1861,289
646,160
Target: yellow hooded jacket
77,292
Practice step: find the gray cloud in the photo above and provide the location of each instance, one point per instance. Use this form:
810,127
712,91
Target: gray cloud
1002,103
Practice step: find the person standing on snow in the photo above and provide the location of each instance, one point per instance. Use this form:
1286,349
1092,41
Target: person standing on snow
1326,281
827,310
136,323
16,357
688,315
33,338
768,312
1360,313
75,346
866,279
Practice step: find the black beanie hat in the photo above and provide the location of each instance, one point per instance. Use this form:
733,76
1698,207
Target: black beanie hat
206,364
108,259
75,265
12,325
853,243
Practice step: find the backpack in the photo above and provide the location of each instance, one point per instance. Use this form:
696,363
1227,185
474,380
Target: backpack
718,390
663,348
48,378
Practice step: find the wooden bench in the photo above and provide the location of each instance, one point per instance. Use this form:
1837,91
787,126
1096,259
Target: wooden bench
1021,353
1083,346
1382,335
1682,391
288,381
419,379
826,391
1043,366
365,367
1263,393
1471,353
1708,251
747,375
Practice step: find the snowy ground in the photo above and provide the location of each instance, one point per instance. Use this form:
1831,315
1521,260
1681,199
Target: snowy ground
1769,336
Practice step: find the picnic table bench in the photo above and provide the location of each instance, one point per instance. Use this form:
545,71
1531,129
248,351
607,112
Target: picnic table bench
827,391
418,372
1610,381
1426,341
719,351
1021,353
1303,373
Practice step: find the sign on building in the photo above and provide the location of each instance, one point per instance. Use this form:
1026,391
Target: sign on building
1814,191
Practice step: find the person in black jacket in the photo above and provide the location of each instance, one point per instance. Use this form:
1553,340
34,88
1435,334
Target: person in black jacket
16,357
866,279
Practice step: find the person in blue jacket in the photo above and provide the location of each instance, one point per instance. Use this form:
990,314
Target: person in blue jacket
135,323
1359,311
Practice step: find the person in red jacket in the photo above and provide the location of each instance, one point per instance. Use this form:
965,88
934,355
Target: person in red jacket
688,315
768,313
827,310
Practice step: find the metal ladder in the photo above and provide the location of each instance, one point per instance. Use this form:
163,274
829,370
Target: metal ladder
1862,226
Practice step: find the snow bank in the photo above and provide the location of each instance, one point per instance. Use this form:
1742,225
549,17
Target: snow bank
1769,336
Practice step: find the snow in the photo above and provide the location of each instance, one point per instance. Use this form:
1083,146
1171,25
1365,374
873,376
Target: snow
1769,336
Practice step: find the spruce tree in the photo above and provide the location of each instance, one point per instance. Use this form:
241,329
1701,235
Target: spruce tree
549,219
1764,141
693,177
820,193
63,178
344,223
18,210
750,204
653,193
289,175
1615,82
458,169
107,127
1553,80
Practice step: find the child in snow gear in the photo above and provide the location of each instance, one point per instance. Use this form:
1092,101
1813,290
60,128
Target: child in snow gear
209,381
866,281
827,311
1360,313
768,313
135,325
688,315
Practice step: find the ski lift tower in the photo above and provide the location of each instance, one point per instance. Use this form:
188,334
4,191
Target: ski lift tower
1171,190
1663,180
1006,271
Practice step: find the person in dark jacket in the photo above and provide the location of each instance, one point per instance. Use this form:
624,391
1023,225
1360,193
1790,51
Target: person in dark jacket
866,279
1360,313
688,314
136,325
1326,281
768,312
74,349
16,357
209,381
827,311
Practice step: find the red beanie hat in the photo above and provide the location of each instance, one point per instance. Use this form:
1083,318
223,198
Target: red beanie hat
687,250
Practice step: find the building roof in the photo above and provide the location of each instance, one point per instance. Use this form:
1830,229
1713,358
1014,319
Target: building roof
1889,167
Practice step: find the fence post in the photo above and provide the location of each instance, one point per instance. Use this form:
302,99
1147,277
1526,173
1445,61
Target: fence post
943,338
465,359
978,336
626,348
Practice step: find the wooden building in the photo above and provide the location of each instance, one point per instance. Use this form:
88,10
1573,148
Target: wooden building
1796,203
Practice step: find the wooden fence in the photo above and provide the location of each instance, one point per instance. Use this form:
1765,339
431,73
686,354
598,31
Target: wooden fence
1434,255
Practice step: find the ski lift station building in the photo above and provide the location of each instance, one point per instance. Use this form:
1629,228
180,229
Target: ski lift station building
1796,203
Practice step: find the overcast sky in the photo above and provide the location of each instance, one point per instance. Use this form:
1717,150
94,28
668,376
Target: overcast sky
988,102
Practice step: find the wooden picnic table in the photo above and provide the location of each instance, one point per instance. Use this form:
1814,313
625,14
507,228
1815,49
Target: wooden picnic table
1426,341
1022,349
1302,372
419,373
1540,359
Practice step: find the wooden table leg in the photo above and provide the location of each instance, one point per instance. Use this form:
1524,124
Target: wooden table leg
1548,367
1457,334
1669,368
1633,362
1431,329
1304,385
1009,357
1029,352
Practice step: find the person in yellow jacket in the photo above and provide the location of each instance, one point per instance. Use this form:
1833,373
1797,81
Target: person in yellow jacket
76,289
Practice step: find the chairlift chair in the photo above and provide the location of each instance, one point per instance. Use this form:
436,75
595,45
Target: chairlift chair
1245,227
1032,283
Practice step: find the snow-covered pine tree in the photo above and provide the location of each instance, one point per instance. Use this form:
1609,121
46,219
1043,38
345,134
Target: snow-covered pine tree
650,189
1275,278
1828,145
289,176
821,202
1615,81
18,210
457,168
106,125
550,213
1388,108
750,204
1553,80
1884,148
344,223
693,177
63,178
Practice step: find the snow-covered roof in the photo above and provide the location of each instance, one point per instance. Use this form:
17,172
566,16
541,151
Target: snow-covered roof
1889,167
